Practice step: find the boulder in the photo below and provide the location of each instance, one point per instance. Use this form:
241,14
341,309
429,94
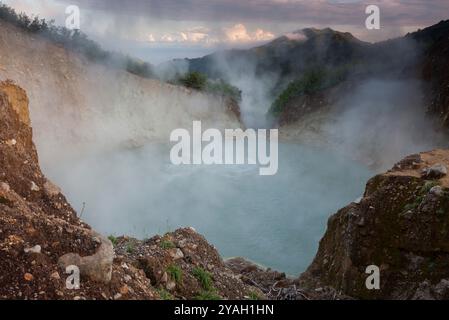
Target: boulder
97,267
434,172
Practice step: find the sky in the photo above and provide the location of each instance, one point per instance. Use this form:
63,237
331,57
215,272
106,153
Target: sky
161,30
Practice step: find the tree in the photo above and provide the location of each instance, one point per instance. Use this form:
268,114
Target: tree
194,80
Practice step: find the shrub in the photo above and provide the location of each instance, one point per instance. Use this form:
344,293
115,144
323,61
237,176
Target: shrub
312,81
175,273
253,296
198,81
139,68
223,88
113,240
203,277
165,295
194,80
167,244
208,295
130,247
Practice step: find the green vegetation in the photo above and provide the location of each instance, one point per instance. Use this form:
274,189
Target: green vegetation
113,239
312,81
208,295
428,185
167,244
253,296
165,295
74,40
204,278
175,273
425,189
130,247
194,80
220,87
199,81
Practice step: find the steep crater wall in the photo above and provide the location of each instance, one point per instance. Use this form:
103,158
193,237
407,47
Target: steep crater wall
84,105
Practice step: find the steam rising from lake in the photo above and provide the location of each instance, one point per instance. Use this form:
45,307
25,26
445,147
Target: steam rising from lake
276,221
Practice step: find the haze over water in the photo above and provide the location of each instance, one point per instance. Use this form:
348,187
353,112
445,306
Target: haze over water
276,221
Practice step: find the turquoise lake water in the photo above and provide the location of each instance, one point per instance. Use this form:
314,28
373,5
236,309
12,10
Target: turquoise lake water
276,221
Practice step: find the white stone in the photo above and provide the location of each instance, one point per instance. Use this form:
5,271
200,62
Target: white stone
35,249
437,190
5,187
34,187
176,254
436,171
171,285
11,142
51,189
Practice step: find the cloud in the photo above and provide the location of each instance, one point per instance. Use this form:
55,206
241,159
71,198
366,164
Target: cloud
237,33
192,35
297,36
232,23
397,12
276,15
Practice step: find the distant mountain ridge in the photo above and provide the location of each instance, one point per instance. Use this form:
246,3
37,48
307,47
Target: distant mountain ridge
293,52
287,54
418,55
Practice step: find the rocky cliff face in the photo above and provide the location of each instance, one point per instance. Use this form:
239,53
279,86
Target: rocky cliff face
400,226
41,235
38,226
436,70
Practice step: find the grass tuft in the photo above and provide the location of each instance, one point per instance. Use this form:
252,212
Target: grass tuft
175,273
203,277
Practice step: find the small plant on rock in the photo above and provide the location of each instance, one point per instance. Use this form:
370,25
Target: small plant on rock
175,273
165,295
113,239
167,244
130,247
205,280
253,296
203,277
208,295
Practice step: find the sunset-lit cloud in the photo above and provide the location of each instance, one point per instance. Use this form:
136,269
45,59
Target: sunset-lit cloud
237,33
204,24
